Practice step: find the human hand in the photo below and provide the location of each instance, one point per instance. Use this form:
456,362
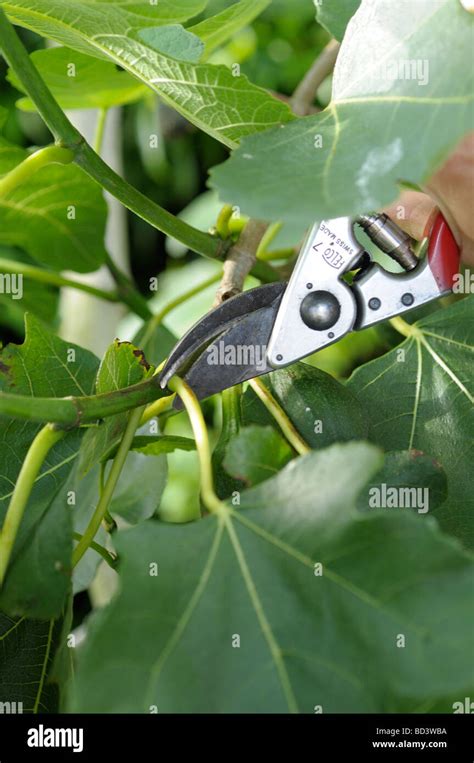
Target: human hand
451,190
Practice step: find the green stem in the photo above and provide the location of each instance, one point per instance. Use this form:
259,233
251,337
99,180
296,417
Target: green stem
157,408
286,426
30,470
102,477
142,206
54,279
109,522
265,272
127,292
278,254
109,487
69,412
222,224
21,174
31,165
190,402
159,317
268,238
66,135
404,328
231,423
231,412
100,129
106,555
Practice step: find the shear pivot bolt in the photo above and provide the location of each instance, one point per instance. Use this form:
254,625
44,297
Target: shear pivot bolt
320,310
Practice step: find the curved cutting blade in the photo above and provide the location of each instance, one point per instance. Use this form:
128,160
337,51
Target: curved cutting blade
237,354
254,309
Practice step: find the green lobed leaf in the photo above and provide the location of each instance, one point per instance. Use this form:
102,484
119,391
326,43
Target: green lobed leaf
256,454
161,444
250,627
38,578
217,30
27,651
406,470
174,41
319,406
158,344
78,81
421,395
350,157
136,497
62,668
210,97
45,365
335,15
59,15
140,487
158,445
122,366
164,11
58,217
10,156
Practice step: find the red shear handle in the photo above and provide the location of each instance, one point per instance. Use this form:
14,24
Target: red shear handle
443,254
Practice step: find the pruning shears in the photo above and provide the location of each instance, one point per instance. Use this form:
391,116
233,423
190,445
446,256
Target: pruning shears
275,325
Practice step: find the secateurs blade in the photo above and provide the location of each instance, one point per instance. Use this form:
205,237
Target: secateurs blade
273,326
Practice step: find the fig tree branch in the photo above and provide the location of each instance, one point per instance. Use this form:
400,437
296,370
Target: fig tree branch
304,95
240,260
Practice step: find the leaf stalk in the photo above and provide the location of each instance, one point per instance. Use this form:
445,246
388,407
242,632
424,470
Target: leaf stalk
39,449
109,487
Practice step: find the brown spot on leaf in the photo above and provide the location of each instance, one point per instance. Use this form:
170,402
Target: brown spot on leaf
138,353
143,361
416,453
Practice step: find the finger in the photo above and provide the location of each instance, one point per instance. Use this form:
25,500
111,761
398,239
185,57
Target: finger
453,187
414,212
